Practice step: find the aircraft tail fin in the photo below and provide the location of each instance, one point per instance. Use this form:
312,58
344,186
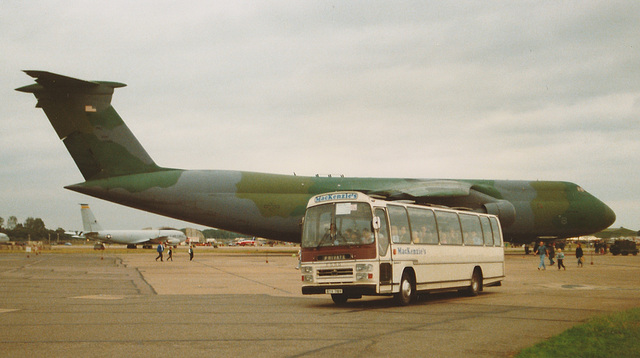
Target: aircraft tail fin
100,143
89,222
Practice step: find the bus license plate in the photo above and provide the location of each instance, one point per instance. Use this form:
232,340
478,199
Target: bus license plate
333,290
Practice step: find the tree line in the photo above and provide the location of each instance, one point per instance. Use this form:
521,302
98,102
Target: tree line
32,229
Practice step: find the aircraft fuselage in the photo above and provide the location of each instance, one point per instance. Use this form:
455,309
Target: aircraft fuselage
134,237
272,205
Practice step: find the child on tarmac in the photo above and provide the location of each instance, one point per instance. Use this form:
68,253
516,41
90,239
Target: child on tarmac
560,258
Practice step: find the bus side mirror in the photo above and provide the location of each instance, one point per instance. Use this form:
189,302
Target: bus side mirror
376,223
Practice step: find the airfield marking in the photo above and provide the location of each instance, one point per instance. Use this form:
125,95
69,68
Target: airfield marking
6,310
245,278
101,297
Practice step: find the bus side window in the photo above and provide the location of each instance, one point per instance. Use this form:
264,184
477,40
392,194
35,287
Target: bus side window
448,228
383,233
486,230
400,232
496,232
423,224
471,230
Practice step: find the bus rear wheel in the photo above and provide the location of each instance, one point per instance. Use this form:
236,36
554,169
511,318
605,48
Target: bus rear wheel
476,283
407,290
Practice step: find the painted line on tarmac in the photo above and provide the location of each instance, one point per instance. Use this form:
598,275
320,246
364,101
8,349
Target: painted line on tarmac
7,310
101,297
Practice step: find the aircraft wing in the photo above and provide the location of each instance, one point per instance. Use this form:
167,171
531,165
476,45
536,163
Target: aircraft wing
414,189
452,193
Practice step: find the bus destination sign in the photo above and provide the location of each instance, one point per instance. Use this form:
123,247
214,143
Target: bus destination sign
338,196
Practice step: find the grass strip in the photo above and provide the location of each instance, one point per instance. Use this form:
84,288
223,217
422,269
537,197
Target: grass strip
614,335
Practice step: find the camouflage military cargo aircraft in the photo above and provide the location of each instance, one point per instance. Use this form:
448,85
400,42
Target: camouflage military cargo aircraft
117,168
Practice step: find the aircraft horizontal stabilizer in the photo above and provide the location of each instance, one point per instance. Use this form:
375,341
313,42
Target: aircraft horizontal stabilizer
52,80
75,234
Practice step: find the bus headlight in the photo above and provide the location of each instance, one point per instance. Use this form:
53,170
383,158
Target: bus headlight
364,272
306,269
364,267
307,278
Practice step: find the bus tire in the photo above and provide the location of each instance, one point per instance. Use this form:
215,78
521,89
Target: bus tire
339,299
476,283
407,292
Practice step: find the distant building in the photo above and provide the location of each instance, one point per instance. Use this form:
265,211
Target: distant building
194,236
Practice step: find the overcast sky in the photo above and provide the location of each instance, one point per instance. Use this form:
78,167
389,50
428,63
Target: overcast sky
477,90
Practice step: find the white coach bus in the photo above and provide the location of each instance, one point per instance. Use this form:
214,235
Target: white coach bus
355,245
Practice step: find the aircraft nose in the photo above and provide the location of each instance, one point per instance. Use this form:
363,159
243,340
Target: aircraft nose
609,216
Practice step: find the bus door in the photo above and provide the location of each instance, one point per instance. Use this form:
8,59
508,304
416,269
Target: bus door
384,252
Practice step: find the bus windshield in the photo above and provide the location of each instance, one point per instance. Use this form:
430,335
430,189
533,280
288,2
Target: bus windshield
338,224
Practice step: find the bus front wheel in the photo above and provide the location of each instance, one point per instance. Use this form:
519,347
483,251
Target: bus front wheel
407,290
339,298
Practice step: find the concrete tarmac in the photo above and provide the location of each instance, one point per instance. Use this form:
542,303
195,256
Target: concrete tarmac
250,305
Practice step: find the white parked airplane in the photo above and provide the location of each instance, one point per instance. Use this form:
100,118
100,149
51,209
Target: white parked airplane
4,237
93,231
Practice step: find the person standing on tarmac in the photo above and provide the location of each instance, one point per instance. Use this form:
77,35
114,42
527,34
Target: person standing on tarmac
160,249
170,257
190,252
579,254
542,251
